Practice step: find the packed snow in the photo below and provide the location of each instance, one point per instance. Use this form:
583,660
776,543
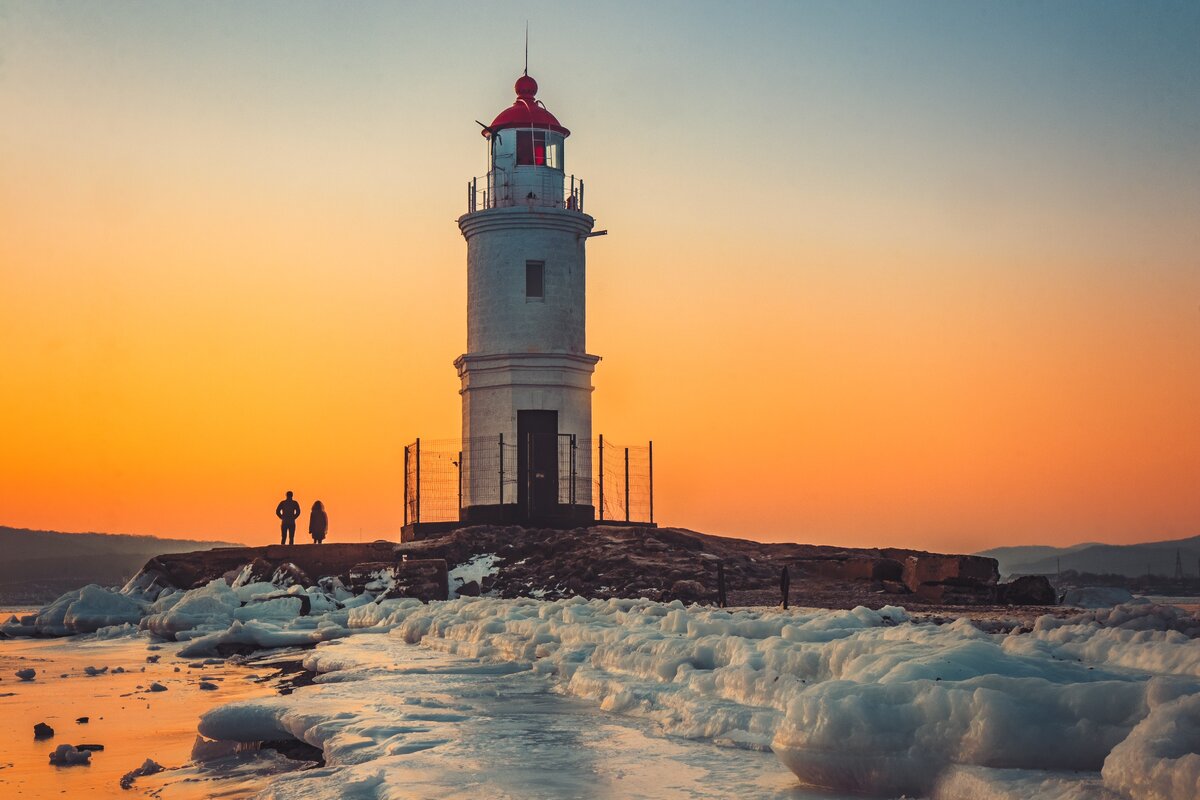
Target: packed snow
1102,704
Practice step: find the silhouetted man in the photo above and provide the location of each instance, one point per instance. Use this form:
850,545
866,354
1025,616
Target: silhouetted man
287,510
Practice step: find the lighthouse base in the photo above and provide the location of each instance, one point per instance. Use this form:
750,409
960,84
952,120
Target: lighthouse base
563,517
559,516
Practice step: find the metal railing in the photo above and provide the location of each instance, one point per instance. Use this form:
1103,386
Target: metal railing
441,477
536,187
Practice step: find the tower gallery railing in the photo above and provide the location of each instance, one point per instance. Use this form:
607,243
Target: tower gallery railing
444,476
537,187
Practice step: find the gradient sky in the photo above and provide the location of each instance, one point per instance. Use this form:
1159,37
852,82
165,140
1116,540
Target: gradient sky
915,274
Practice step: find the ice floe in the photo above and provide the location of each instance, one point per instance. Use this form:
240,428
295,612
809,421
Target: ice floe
852,701
1102,704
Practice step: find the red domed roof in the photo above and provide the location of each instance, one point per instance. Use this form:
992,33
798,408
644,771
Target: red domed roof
527,111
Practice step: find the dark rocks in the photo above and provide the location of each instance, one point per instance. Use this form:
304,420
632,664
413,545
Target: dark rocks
195,569
424,579
854,568
82,720
952,579
305,602
157,687
42,731
149,767
93,748
66,755
687,591
1027,590
27,674
288,574
257,570
469,589
957,592
934,568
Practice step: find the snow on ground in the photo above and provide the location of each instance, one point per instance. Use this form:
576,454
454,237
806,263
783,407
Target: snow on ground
478,568
1102,704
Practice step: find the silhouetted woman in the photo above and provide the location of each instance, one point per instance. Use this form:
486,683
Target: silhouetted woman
318,522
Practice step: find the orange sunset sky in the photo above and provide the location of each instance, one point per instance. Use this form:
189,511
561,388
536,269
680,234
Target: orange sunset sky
915,274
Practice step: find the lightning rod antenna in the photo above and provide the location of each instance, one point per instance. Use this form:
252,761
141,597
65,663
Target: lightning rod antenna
526,47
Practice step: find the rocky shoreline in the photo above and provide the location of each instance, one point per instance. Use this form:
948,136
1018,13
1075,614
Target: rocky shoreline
603,562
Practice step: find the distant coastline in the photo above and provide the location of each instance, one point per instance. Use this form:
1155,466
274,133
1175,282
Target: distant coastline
40,565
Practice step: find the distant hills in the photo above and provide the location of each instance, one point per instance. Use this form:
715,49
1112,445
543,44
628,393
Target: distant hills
37,566
1132,560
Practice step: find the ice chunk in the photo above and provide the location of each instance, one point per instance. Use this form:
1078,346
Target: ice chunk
211,606
97,608
257,634
1097,597
1160,759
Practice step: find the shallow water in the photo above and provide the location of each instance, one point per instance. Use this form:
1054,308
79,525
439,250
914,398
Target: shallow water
407,722
131,722
471,731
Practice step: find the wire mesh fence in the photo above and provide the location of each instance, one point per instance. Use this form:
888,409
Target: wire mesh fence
444,476
624,482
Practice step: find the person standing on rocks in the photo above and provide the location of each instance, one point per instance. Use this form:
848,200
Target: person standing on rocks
318,522
287,511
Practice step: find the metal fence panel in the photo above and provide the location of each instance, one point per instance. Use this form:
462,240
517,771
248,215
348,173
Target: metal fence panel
442,476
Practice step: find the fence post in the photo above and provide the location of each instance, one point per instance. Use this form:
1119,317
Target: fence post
460,452
501,469
601,509
651,481
406,486
418,519
572,493
627,484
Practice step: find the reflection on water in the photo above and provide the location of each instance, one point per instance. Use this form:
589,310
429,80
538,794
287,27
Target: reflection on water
474,732
131,722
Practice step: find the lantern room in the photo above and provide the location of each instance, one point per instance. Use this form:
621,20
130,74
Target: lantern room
526,157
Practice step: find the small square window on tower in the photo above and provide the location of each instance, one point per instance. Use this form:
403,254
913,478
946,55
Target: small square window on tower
535,280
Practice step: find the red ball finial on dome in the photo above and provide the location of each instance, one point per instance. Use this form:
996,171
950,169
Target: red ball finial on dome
526,86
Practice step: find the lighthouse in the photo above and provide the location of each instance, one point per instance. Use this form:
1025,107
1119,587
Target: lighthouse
526,377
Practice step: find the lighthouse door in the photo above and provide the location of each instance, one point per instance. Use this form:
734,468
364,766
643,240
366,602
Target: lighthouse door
537,462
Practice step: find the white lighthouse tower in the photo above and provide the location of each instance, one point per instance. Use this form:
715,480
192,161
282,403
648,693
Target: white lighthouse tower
526,375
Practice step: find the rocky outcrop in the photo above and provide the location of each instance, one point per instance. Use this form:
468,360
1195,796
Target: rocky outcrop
609,561
932,568
294,563
1027,590
354,565
424,579
674,563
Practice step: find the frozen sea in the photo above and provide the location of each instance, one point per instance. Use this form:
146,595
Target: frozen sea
616,699
451,727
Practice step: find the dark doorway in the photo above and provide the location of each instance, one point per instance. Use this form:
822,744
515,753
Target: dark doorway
537,462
